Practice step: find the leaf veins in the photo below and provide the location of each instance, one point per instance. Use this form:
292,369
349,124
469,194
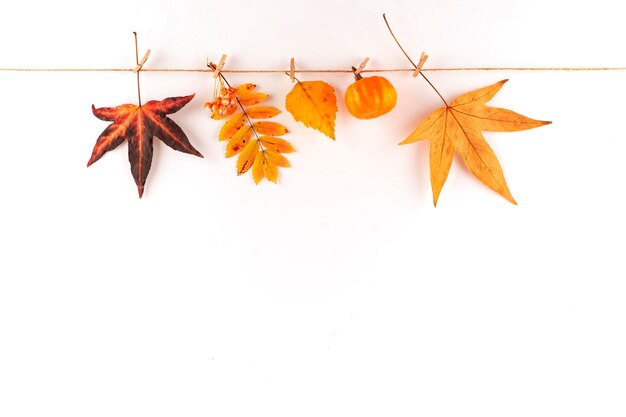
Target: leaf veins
314,104
457,128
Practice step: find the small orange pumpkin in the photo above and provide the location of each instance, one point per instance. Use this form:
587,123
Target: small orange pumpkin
370,97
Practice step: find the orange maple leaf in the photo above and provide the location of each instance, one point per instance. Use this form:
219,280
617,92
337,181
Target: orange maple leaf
457,128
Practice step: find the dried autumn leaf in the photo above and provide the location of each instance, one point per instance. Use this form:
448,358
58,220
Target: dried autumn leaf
270,128
239,129
270,170
276,144
231,126
250,99
238,141
246,158
139,125
257,167
245,88
277,159
266,165
314,104
262,112
457,128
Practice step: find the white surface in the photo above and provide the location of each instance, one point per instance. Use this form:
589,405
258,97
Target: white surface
341,291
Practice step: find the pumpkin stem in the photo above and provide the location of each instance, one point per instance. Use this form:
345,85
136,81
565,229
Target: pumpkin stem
357,77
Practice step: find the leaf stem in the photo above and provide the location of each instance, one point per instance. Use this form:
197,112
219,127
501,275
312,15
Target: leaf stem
295,78
137,61
413,63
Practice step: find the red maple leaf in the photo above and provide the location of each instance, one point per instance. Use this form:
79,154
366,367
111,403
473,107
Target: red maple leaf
139,125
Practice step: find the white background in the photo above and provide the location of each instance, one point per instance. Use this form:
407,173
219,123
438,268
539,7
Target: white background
340,291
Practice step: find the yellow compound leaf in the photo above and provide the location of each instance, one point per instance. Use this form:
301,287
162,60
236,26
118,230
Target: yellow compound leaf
270,170
276,144
277,159
262,112
257,167
245,88
231,126
313,103
270,128
238,141
262,155
457,128
250,99
247,156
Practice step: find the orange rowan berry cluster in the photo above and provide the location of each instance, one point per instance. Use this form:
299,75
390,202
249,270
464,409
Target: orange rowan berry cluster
223,104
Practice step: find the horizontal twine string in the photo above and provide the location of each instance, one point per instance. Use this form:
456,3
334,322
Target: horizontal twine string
270,71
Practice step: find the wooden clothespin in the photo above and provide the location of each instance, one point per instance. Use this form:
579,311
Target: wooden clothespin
292,70
143,61
420,64
218,68
361,66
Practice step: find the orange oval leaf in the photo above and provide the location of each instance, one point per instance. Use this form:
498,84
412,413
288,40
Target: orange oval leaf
250,99
276,144
247,156
270,170
277,159
270,128
257,167
245,88
231,126
262,112
238,141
